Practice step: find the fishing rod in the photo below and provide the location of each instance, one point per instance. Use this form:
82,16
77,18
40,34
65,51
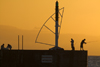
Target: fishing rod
87,42
91,41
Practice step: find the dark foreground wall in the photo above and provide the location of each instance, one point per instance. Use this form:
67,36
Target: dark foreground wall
43,58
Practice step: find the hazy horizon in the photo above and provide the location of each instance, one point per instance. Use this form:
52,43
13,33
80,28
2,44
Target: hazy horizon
81,19
9,35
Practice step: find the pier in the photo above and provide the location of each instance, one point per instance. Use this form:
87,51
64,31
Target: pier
43,58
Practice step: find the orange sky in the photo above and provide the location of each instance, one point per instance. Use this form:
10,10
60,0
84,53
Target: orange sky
80,16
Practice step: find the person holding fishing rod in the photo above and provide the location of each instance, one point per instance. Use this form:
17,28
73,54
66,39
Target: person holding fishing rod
72,44
82,42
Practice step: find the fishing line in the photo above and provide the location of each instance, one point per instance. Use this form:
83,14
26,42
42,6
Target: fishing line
91,41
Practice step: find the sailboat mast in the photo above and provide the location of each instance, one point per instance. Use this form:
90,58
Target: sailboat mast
56,24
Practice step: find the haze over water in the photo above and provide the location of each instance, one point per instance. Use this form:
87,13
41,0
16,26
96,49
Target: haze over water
81,20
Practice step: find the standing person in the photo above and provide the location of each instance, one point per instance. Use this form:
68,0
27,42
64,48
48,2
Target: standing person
2,46
72,44
82,42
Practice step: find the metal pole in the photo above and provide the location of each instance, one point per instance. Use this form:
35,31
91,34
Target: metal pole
18,53
56,28
22,53
22,42
18,42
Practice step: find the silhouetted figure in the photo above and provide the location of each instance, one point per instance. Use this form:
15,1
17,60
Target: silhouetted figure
2,46
72,44
81,46
9,46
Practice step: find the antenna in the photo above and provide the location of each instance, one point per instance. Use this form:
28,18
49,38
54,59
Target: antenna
22,42
18,42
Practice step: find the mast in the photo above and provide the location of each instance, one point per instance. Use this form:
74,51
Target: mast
56,24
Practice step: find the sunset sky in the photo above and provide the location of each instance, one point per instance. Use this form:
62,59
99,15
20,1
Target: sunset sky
80,16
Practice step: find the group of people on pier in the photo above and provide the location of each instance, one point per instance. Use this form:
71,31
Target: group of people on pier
7,48
81,44
72,45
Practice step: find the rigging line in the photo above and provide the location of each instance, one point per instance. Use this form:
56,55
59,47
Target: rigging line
49,29
45,43
60,14
53,19
61,8
61,20
42,26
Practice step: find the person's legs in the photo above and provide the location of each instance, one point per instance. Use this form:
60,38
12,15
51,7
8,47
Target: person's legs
73,48
82,48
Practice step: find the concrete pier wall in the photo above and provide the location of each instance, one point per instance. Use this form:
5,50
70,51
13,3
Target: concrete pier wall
43,58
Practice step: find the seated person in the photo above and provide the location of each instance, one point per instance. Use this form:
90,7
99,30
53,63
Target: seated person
9,46
2,46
